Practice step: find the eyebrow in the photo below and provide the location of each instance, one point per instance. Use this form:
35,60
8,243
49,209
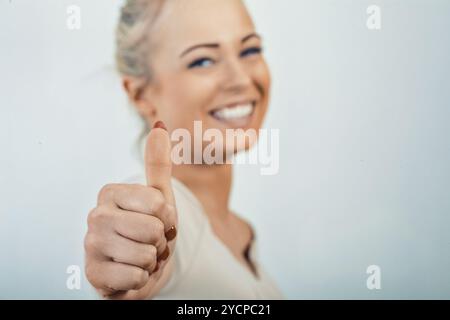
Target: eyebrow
216,45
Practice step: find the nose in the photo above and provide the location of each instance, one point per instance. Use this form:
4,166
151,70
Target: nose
236,76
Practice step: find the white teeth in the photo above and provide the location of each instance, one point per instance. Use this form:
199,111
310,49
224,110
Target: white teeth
240,111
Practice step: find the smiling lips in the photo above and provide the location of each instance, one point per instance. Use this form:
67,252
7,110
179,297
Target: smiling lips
234,113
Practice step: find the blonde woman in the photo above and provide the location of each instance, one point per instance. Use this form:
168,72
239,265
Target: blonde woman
170,233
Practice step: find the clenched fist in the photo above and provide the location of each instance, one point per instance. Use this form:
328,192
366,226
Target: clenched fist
130,232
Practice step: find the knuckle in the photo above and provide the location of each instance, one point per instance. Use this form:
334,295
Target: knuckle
92,218
147,236
138,278
91,242
97,216
89,218
89,270
106,192
158,203
149,258
158,229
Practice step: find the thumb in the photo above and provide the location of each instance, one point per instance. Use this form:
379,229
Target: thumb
158,164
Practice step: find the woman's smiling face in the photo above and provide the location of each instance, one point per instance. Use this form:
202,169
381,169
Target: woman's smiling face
206,66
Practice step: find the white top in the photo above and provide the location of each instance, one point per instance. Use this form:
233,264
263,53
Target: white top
204,267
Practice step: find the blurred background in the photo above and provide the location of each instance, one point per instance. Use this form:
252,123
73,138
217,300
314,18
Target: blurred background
364,153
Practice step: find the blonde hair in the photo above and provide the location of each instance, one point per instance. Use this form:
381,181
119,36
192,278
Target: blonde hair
134,45
133,40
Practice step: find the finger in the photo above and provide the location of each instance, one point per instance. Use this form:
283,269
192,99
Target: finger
141,199
112,276
126,251
141,228
158,163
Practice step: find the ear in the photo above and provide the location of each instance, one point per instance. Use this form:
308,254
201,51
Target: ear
136,90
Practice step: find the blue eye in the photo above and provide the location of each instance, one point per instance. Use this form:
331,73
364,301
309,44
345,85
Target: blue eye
251,51
201,63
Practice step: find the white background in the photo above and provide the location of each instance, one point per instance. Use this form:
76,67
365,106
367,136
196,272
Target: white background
364,162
